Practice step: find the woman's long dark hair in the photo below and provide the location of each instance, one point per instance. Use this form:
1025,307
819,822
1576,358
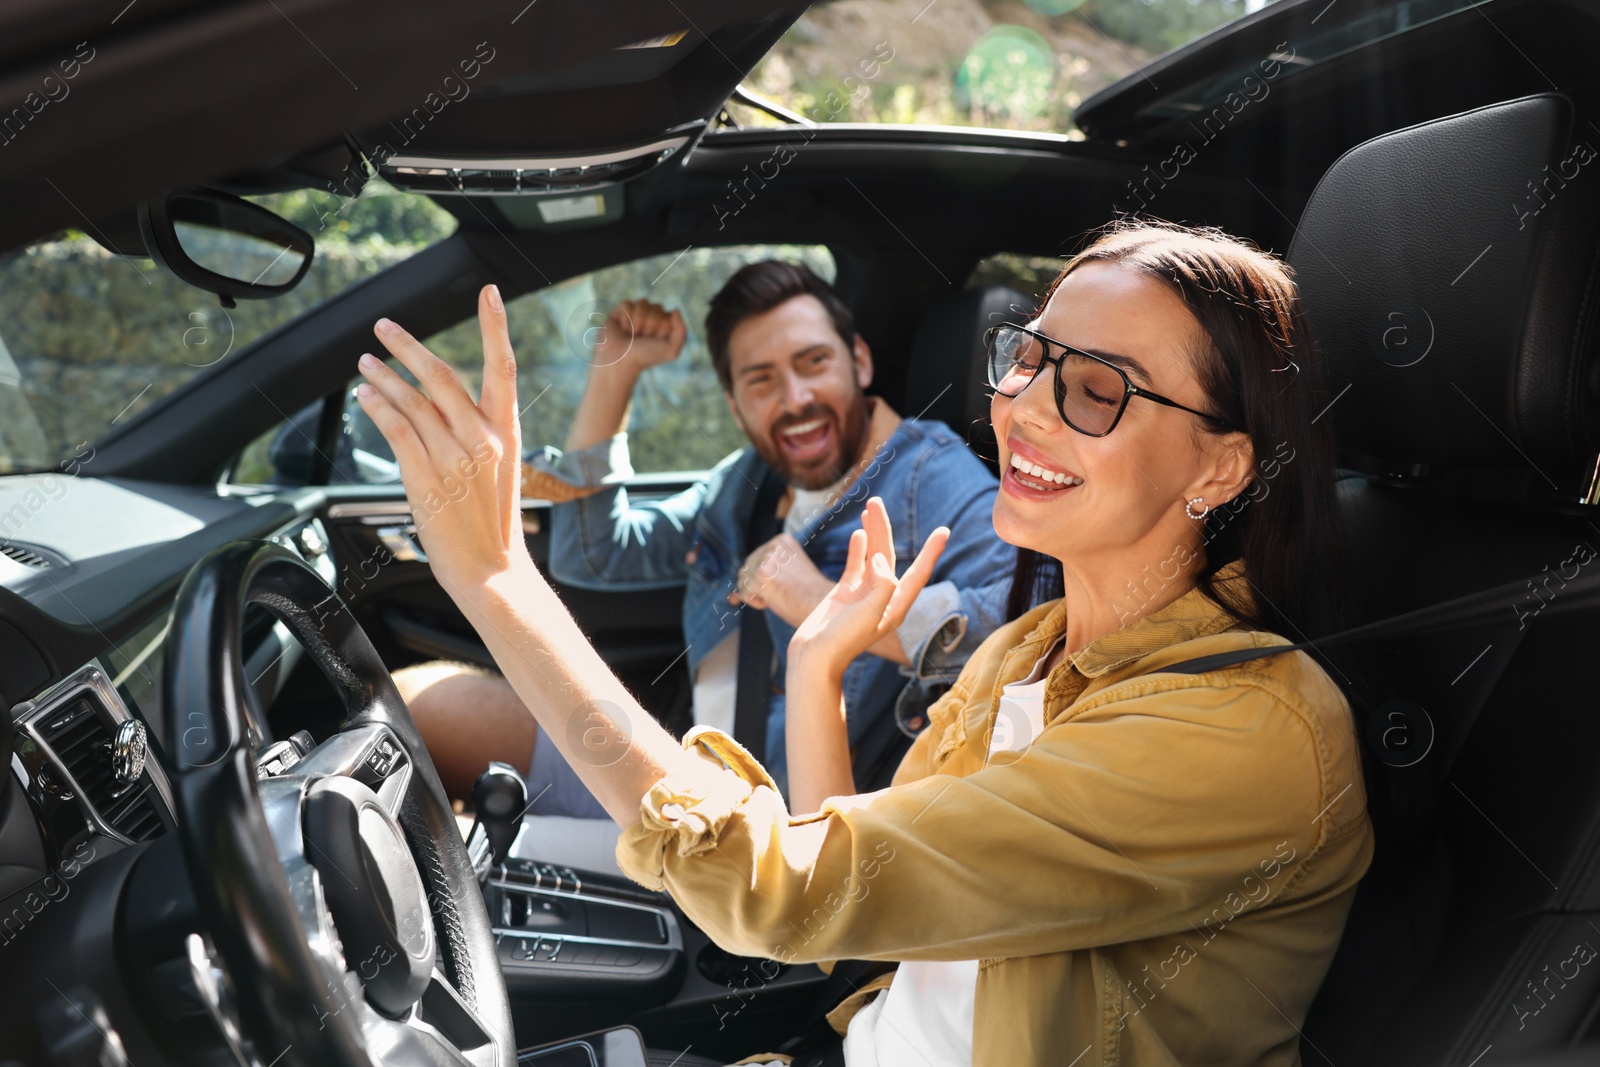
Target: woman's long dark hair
1261,373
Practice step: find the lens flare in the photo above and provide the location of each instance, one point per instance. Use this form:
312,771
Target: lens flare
1008,73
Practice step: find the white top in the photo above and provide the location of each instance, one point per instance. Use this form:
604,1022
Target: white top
716,685
925,1017
716,677
809,505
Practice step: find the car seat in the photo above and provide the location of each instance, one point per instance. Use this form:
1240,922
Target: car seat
947,378
1451,272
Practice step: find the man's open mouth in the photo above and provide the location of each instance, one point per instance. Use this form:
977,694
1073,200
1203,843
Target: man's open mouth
806,440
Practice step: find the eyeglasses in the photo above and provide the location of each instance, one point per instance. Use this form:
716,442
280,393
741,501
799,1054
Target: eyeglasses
1091,393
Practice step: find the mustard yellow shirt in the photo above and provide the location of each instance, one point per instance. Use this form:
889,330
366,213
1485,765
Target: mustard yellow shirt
1161,878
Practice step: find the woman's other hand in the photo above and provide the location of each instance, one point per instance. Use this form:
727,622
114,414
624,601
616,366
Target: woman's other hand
460,461
867,602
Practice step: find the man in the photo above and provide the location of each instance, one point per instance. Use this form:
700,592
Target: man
757,543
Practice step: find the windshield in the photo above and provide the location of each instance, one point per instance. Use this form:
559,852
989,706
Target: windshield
90,338
1001,64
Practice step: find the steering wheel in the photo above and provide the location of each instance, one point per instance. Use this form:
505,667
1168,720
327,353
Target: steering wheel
346,925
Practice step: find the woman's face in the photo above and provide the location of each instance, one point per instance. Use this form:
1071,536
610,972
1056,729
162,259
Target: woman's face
1128,508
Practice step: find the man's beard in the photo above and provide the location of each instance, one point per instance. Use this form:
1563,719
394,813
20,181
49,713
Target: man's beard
851,437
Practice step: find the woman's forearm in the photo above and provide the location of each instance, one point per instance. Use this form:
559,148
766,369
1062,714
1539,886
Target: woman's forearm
816,736
615,746
461,462
861,612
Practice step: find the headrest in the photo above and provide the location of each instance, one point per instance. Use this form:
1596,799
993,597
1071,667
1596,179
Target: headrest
946,378
1451,271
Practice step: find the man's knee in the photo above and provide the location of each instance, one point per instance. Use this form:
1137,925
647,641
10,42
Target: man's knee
438,676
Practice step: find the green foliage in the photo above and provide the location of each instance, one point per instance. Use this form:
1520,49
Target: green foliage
680,419
95,338
1008,73
380,215
1030,275
998,64
1160,25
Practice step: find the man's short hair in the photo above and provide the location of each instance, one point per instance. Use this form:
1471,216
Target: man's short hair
757,288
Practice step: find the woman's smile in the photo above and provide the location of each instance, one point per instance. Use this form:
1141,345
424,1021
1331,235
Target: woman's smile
1032,476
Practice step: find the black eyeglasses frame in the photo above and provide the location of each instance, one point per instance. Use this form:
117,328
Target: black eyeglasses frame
1129,389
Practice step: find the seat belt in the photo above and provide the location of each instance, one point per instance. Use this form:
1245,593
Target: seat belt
752,702
1474,609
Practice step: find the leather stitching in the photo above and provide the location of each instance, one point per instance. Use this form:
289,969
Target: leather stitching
453,937
309,631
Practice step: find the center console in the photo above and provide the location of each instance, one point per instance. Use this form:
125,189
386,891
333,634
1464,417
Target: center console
620,1046
591,953
558,931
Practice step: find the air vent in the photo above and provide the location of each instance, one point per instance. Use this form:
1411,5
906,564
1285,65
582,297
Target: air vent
78,734
24,555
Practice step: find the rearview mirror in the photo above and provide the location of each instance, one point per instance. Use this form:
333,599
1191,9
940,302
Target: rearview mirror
224,245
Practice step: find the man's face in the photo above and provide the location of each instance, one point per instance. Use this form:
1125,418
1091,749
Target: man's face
797,391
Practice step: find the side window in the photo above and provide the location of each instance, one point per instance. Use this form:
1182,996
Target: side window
93,337
1026,274
680,421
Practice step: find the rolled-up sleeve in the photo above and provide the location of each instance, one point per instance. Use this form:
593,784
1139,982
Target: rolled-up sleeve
966,599
605,541
1130,822
947,623
603,463
684,814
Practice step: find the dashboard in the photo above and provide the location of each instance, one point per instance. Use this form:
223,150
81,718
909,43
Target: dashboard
86,589
88,580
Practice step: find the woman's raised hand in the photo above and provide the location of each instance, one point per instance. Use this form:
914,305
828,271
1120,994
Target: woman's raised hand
868,601
460,461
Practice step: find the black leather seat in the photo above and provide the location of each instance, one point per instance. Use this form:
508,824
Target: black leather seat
1452,275
947,379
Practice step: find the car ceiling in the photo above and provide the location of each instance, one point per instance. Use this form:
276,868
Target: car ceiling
178,93
143,115
909,209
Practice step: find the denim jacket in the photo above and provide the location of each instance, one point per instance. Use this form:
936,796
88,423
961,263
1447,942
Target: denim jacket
927,478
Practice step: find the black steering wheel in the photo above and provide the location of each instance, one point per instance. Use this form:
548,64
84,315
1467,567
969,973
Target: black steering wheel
346,925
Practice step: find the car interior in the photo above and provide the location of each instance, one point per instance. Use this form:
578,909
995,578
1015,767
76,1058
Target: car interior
201,605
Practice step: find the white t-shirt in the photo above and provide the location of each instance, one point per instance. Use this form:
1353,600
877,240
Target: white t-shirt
924,1019
716,678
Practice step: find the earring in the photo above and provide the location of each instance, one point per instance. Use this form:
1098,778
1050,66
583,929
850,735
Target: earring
1188,509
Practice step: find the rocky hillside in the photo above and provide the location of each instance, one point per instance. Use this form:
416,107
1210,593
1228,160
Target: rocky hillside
999,63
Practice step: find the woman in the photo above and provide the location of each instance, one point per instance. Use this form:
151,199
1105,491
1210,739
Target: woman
1082,859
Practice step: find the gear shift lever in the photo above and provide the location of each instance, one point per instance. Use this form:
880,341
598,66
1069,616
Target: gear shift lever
499,797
